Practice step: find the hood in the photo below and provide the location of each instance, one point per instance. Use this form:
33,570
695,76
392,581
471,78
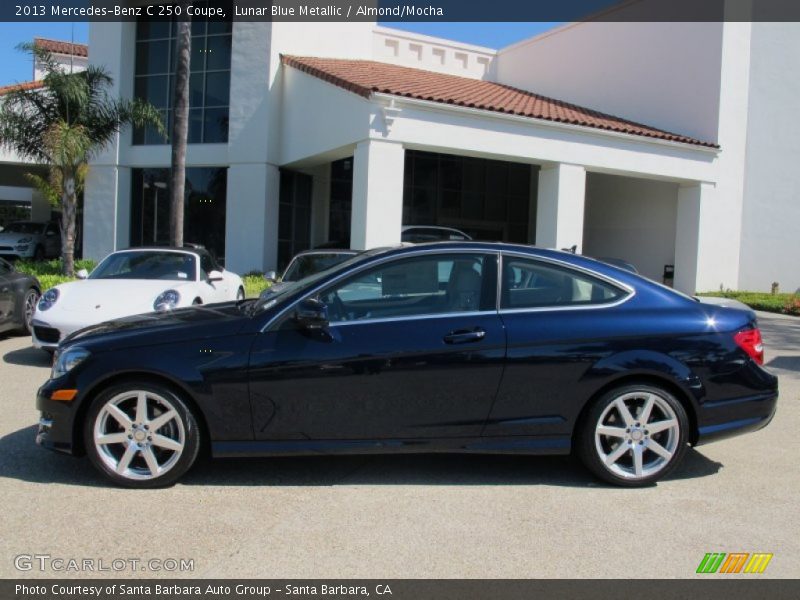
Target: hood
8,238
106,299
183,324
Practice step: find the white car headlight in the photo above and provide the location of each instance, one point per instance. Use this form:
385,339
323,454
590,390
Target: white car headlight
167,300
68,360
47,300
25,240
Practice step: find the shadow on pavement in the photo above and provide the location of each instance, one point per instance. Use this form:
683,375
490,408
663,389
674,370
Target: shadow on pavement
789,363
28,357
21,459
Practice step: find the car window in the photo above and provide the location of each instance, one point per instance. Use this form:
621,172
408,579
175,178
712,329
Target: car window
207,265
309,264
530,283
414,286
26,227
135,264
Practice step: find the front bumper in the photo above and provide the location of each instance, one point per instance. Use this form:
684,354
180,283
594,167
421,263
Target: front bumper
47,335
56,424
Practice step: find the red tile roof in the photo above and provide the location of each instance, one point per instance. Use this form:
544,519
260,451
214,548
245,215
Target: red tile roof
364,77
27,85
59,47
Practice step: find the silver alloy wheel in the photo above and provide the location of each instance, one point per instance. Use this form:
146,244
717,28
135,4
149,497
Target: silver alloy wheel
139,435
30,307
637,435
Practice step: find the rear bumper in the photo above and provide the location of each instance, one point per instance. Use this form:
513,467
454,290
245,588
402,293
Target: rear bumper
724,419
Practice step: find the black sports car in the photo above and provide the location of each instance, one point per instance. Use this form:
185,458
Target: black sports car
19,294
443,347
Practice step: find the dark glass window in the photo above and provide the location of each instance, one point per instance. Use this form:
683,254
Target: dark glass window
294,215
529,283
209,84
341,202
488,199
204,204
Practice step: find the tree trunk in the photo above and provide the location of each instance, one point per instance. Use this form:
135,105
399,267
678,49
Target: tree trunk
180,131
69,208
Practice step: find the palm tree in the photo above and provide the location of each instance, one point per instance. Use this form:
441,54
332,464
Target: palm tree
63,124
180,128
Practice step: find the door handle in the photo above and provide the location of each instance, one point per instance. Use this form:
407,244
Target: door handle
463,336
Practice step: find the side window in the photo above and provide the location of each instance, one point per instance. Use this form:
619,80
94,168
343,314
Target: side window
206,265
531,284
415,286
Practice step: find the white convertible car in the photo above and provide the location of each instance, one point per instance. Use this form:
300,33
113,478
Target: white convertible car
131,282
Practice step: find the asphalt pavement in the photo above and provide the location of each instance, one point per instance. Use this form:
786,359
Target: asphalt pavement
401,516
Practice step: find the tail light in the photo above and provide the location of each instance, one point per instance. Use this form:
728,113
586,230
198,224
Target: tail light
750,341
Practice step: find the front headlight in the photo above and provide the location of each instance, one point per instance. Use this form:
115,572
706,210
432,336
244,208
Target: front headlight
26,240
68,360
49,298
167,300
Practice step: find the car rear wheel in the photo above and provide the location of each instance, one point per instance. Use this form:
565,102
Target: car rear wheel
141,435
633,435
28,308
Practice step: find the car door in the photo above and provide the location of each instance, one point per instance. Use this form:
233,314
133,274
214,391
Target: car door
213,291
413,349
560,321
6,294
52,240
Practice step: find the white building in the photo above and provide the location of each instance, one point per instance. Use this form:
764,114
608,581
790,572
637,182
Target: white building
305,133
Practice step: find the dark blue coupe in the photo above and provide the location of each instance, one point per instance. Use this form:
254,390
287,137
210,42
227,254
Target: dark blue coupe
443,347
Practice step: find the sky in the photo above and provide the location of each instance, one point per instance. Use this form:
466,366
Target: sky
16,66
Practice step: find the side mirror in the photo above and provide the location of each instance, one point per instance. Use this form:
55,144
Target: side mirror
215,276
271,276
82,274
50,233
311,314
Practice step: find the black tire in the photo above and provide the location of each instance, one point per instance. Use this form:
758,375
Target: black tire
31,296
38,254
135,476
629,438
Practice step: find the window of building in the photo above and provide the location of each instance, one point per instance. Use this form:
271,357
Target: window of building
530,283
341,202
204,205
209,82
415,286
294,215
488,199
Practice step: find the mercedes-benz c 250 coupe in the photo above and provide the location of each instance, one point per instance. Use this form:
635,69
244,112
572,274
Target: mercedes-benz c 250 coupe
442,347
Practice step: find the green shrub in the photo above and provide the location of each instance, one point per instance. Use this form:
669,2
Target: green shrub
254,284
51,267
777,303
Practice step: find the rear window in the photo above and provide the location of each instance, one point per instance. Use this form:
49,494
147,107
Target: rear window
530,283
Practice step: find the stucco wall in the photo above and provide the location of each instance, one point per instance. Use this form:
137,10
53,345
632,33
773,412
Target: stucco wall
662,74
770,248
631,219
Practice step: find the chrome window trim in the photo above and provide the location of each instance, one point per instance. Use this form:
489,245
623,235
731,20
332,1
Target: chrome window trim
471,313
420,252
631,291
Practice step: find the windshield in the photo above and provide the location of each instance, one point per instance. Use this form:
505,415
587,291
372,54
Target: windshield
309,264
138,264
26,227
278,292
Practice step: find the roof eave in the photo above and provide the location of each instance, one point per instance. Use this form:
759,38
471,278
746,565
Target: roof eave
572,127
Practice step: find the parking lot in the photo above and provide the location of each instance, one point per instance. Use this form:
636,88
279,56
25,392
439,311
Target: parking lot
406,516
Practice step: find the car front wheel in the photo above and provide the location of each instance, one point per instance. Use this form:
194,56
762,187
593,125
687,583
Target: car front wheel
141,435
28,308
633,435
